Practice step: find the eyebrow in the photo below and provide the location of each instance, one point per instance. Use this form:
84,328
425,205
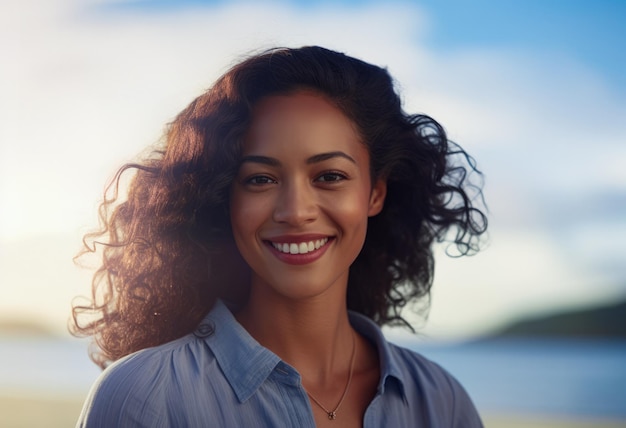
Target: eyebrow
266,160
260,159
325,156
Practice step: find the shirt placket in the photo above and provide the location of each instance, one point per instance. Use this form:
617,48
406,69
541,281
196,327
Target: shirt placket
297,406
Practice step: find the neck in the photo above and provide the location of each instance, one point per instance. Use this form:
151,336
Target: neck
313,334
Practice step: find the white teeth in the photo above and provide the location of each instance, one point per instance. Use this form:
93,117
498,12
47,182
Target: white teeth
301,248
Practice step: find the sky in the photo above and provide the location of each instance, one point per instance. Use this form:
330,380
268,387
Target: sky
535,91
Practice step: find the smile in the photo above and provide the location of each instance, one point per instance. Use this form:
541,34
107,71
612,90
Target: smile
300,248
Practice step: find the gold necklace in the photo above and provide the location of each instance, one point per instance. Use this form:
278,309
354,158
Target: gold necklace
332,414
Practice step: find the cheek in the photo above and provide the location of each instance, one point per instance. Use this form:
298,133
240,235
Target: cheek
238,215
247,215
242,232
351,212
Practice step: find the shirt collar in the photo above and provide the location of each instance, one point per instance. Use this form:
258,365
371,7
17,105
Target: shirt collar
390,367
246,364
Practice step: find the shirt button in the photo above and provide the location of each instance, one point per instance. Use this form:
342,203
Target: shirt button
204,330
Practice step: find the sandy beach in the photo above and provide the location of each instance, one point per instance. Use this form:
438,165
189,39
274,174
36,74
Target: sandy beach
21,412
534,421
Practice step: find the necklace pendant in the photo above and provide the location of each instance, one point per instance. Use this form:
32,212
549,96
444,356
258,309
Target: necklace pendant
332,416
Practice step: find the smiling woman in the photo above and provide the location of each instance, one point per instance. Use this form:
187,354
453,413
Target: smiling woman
290,213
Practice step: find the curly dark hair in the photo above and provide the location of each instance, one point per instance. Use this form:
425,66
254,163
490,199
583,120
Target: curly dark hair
167,247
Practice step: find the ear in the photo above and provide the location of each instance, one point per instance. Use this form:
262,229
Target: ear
377,197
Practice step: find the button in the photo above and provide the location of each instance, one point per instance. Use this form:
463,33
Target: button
204,330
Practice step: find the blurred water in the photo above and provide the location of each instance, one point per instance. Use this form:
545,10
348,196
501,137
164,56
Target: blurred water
45,367
546,377
533,376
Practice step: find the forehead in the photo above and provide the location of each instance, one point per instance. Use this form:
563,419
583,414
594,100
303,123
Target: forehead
302,119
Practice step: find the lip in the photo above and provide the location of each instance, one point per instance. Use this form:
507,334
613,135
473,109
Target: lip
298,259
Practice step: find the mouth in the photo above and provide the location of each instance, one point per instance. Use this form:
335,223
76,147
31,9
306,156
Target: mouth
303,247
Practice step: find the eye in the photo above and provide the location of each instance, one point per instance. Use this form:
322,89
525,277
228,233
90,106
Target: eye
330,177
259,180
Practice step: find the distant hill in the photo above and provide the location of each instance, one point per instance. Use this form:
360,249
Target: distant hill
606,321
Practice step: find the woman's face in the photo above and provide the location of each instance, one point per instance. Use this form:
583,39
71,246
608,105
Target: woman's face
302,197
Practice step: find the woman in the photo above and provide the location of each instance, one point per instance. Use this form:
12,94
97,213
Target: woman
290,212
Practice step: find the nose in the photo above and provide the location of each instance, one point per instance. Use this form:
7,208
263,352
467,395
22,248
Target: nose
296,204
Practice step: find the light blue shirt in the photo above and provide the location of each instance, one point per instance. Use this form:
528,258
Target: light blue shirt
219,376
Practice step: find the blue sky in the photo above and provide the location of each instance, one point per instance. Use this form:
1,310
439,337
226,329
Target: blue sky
535,91
592,32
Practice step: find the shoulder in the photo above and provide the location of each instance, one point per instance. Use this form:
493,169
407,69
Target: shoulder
137,390
434,387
